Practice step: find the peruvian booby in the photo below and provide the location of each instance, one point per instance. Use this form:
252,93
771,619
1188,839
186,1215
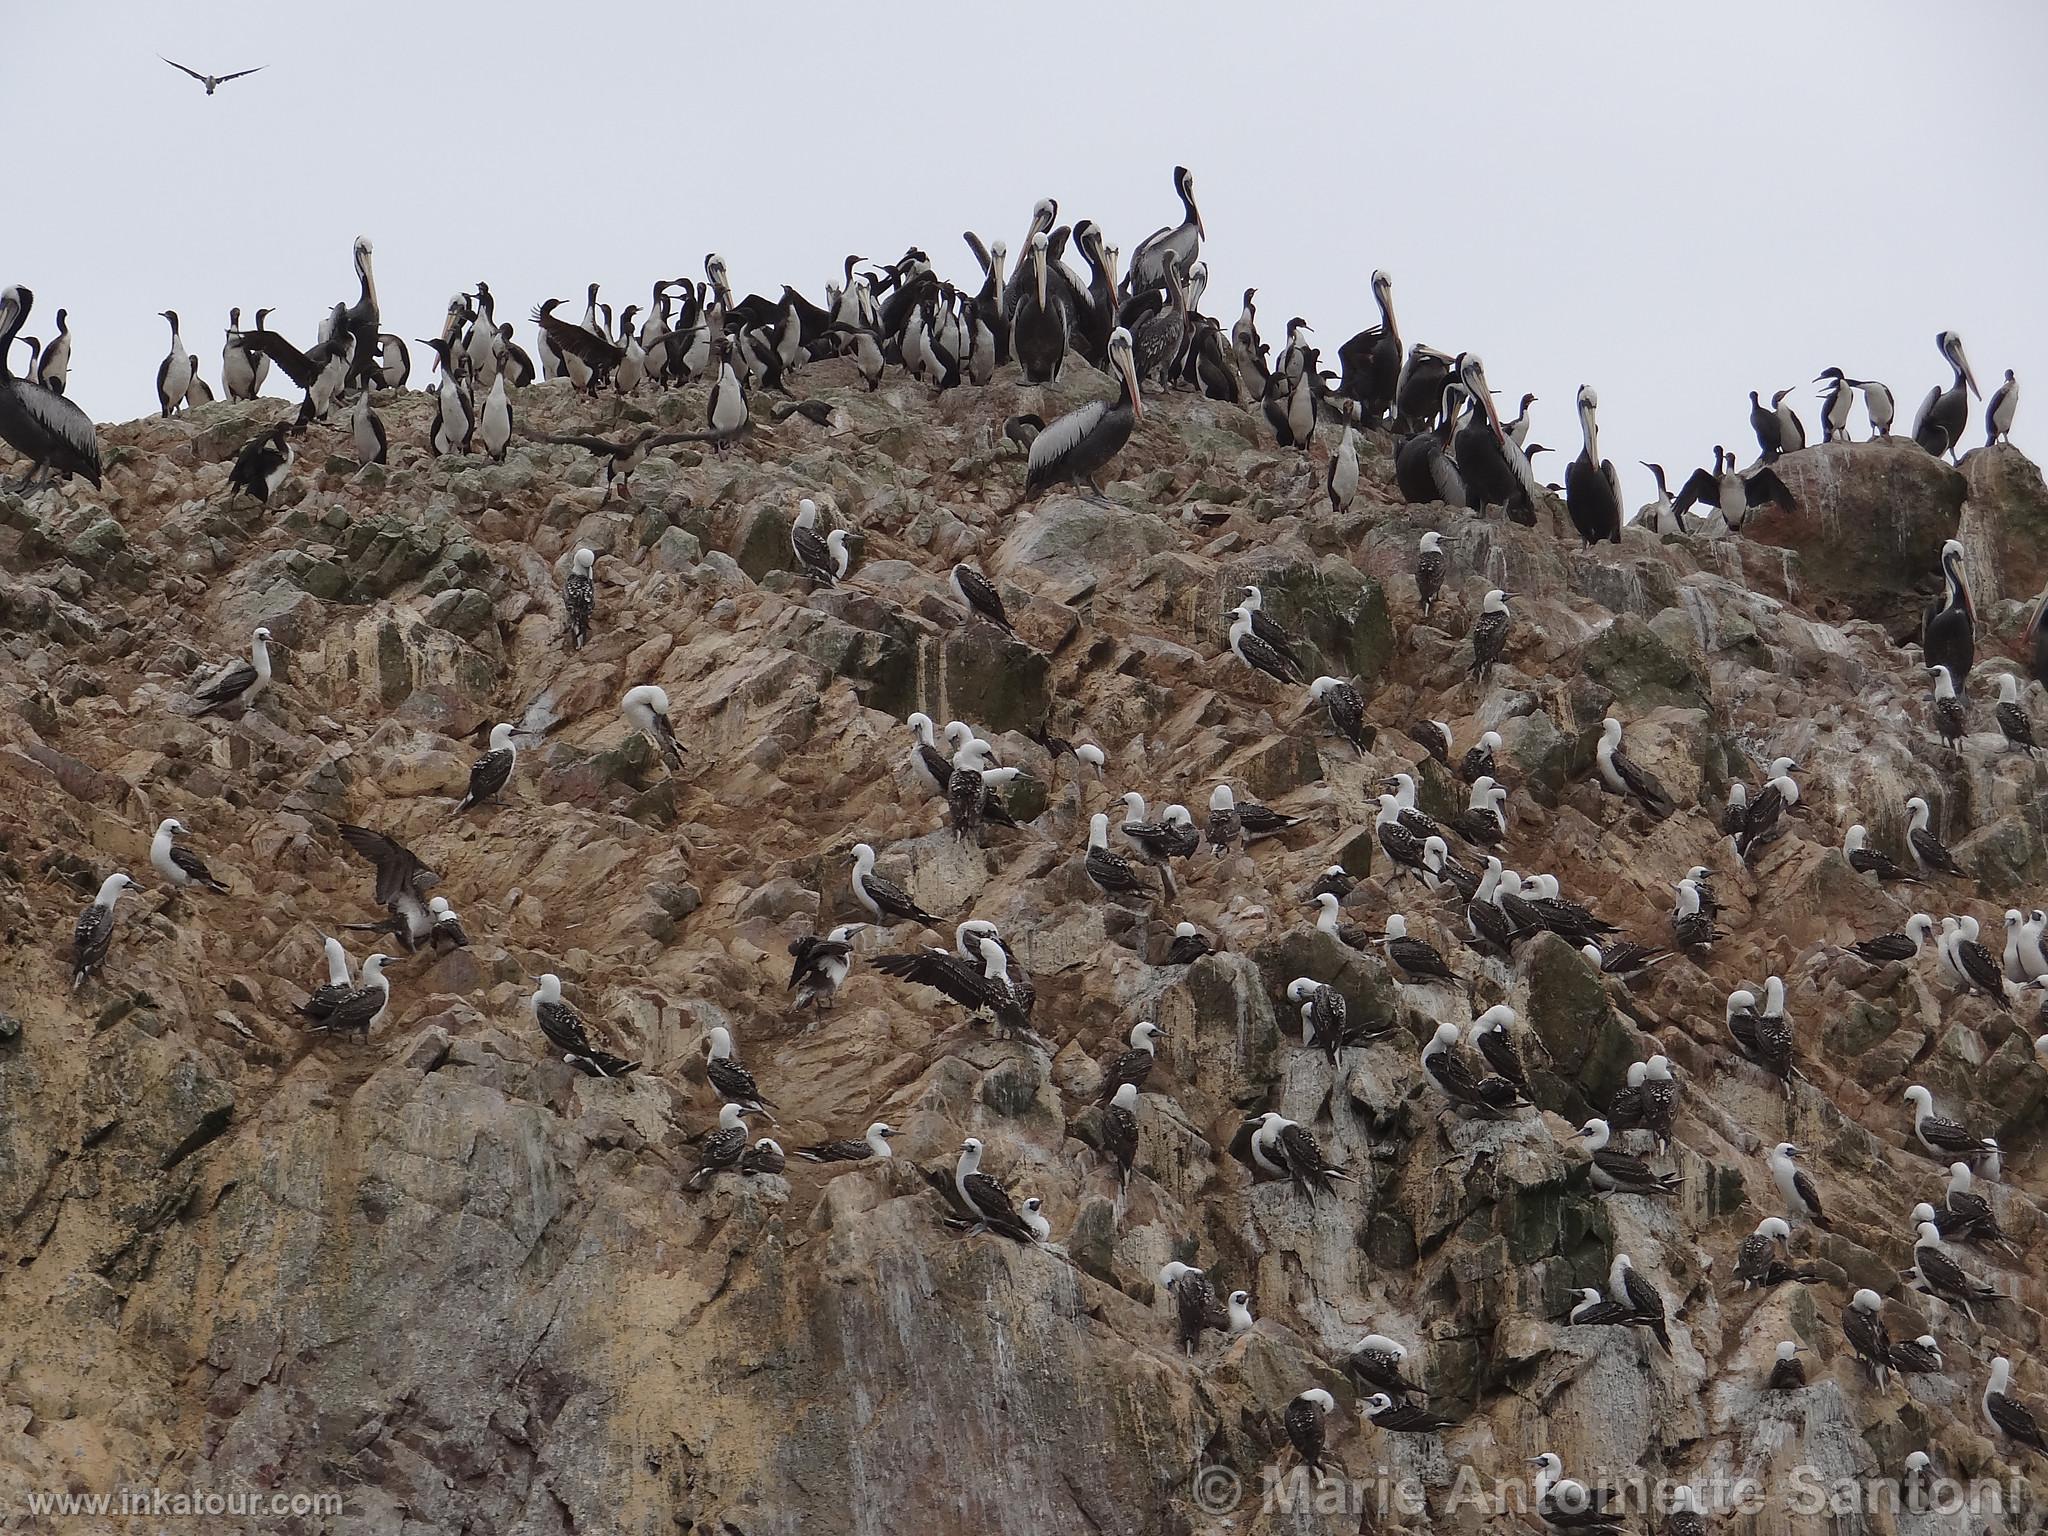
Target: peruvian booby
1645,1303
722,1150
1762,1261
1969,963
1788,1372
1429,570
1564,1504
1869,861
1134,1065
569,1034
1622,957
1324,1017
1282,1148
1929,852
1230,820
1690,925
489,774
1415,960
1950,718
872,1146
1618,1172
93,934
241,682
1490,1095
1624,776
728,1076
765,1155
1489,633
402,881
1863,1326
1382,1412
1189,945
1795,1187
1764,1035
1941,1136
1157,842
646,710
364,1007
1120,1131
579,597
1434,737
338,985
1969,1211
2013,720
979,596
1345,708
1258,654
1478,761
180,867
1376,1361
1110,873
2008,1415
821,558
1484,821
1937,1274
985,1197
1304,1424
886,900
1194,1303
966,788
1592,1309
1489,1036
447,933
820,965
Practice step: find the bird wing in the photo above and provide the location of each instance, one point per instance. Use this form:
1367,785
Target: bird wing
1054,443
935,968
238,74
399,871
594,444
294,364
229,684
191,864
1765,486
1623,1168
2014,1417
192,72
1700,486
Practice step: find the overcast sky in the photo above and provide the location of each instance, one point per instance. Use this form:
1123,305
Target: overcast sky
1676,206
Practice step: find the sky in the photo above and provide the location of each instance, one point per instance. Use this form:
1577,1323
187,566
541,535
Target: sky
1676,206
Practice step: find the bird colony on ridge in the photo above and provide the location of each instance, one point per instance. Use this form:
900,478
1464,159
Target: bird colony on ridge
1433,411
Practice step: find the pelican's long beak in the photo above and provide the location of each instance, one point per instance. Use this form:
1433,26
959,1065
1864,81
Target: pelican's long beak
1129,371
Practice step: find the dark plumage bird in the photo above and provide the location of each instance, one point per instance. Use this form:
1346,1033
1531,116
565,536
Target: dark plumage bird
1402,1418
1622,774
722,1150
1120,1130
1951,720
1788,1372
623,457
1189,945
1429,571
763,1157
1195,1304
1133,1065
1110,873
874,1144
1345,708
1304,1424
569,1034
887,900
819,963
1489,633
1863,1326
1260,655
729,1078
93,934
979,596
1888,947
262,463
2013,721
489,774
2008,1415
1645,1302
37,420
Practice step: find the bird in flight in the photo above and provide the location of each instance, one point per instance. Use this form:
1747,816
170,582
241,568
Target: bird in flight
211,81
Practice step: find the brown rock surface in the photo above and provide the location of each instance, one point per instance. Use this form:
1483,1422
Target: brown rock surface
444,1275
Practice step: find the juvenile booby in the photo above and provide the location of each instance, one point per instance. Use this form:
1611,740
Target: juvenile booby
2008,1415
1863,1326
363,1009
1346,710
1429,570
93,934
1795,1188
1484,821
1282,1148
1238,1310
1376,1360
1189,945
1999,411
1690,926
490,773
179,866
722,1150
1076,446
820,964
338,985
1918,1357
1489,633
1618,1172
1943,1137
728,1076
1788,1373
1762,1260
1110,873
1624,776
1937,1274
1434,737
646,710
1323,1016
1120,1130
1969,1212
1949,716
1134,1065
2013,720
241,682
872,1146
569,1034
984,1195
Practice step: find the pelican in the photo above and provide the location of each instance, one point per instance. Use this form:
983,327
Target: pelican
1372,359
47,429
1182,241
1592,490
1948,635
1079,444
1038,329
1945,412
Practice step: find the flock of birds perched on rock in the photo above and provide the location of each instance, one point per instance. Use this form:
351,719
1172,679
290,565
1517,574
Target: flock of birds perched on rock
1144,330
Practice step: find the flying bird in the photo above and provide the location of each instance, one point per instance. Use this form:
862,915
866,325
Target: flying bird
213,82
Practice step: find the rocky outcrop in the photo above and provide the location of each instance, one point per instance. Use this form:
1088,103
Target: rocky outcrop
444,1275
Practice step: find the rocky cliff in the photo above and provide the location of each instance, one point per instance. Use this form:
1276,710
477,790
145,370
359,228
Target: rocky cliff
443,1274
